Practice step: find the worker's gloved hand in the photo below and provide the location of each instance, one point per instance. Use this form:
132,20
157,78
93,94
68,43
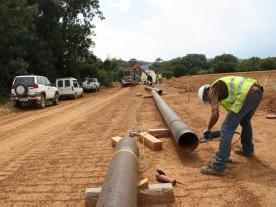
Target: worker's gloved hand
207,134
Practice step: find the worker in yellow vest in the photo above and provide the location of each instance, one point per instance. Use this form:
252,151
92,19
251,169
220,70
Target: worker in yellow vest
159,78
240,96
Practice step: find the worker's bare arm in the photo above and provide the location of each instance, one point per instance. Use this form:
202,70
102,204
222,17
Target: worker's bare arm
214,111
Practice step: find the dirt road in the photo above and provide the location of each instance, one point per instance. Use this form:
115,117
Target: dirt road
48,157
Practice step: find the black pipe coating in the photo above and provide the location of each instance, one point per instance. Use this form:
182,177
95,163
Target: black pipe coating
180,131
120,186
159,91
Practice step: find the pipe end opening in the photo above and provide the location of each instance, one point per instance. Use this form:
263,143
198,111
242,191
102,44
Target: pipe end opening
188,140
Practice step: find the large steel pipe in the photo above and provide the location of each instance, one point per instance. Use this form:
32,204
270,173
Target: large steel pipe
120,186
159,91
180,131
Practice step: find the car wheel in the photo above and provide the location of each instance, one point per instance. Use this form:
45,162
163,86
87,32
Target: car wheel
56,99
42,102
17,104
81,94
75,96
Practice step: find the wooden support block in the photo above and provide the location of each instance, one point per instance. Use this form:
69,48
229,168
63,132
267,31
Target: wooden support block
160,132
150,141
271,116
138,94
115,140
160,193
147,96
91,196
143,184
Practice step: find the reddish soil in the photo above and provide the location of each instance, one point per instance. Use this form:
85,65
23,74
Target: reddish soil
49,157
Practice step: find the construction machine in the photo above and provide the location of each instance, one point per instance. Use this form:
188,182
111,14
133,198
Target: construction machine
131,76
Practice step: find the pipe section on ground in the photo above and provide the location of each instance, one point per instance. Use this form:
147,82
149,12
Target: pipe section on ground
180,131
120,186
159,91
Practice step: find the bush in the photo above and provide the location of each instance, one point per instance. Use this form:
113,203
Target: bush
251,64
105,77
167,74
4,94
180,70
268,63
203,72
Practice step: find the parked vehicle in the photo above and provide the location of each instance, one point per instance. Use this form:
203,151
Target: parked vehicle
69,87
91,84
33,89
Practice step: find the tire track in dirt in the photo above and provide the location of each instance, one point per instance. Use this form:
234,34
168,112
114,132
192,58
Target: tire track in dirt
27,139
57,170
34,117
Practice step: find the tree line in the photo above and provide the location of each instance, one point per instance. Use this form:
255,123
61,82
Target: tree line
193,64
53,38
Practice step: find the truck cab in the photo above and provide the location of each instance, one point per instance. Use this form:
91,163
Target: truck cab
131,76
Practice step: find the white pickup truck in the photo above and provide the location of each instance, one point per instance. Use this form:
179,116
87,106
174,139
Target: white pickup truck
91,84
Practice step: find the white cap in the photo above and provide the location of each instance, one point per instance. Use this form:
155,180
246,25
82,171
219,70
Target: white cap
201,91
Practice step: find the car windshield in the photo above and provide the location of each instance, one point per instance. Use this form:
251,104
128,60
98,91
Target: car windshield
27,81
90,79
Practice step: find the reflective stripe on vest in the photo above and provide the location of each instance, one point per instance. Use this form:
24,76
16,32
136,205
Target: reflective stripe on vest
238,88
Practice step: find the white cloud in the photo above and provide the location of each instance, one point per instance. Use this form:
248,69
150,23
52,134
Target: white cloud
177,27
122,5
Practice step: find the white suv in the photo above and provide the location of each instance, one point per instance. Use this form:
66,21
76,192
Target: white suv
69,87
34,89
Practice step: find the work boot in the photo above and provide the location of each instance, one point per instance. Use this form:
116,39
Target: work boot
207,170
242,153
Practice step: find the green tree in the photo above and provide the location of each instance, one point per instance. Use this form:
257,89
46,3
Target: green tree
109,64
195,62
224,63
17,32
251,64
180,70
157,65
64,35
132,62
268,63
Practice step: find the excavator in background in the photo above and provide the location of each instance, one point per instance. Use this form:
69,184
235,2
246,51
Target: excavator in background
133,75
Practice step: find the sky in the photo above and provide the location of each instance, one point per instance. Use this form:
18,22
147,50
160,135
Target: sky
151,29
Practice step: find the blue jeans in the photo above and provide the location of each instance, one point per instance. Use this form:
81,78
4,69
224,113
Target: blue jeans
229,126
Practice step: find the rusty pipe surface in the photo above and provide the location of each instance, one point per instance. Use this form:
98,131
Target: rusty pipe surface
120,186
182,134
159,91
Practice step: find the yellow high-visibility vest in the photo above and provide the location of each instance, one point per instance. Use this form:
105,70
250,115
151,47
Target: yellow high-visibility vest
238,88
